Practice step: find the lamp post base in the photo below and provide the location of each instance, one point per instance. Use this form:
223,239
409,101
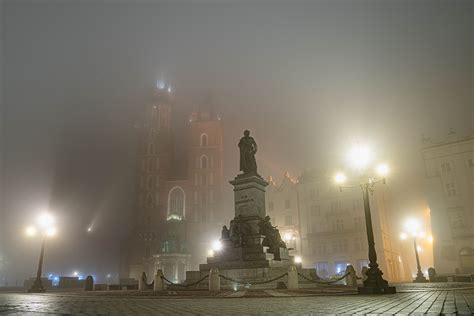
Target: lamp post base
420,278
375,284
376,290
37,287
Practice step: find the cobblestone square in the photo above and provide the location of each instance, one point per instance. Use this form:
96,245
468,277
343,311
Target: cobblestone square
431,299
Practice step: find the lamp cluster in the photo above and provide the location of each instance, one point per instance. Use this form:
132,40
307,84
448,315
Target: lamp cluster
44,226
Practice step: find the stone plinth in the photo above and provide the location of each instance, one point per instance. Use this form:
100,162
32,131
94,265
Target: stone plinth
249,195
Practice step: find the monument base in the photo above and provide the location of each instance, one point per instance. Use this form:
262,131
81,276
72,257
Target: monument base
253,253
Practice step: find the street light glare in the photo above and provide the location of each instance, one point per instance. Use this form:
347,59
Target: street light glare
30,231
382,170
298,259
340,178
403,236
45,220
360,156
216,245
412,225
51,232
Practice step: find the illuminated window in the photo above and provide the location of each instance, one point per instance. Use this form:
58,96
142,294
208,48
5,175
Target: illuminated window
204,139
322,269
176,203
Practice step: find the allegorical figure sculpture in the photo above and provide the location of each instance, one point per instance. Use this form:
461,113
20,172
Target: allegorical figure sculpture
248,149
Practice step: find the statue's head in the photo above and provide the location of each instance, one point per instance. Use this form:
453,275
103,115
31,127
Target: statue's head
267,218
246,133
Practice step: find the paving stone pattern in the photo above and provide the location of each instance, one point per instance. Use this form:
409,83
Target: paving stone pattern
430,301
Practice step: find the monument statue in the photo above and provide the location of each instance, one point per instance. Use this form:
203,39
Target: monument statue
248,149
225,234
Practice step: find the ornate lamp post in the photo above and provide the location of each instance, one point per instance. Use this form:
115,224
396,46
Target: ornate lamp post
361,157
46,229
413,228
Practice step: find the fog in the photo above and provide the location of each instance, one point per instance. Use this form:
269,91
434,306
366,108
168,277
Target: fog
307,78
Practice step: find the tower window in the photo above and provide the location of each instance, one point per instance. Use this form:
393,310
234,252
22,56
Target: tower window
204,180
203,198
176,203
204,162
204,139
151,149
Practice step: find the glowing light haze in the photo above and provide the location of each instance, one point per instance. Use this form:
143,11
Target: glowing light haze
306,78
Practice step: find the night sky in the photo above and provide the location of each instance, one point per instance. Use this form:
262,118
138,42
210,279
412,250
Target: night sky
307,78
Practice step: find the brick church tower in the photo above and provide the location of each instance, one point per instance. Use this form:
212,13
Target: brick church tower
205,166
154,158
178,209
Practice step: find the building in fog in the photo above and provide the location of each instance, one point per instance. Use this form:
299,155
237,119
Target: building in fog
449,183
178,197
282,207
329,225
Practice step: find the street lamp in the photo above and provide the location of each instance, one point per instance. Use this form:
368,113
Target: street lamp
412,227
46,229
360,158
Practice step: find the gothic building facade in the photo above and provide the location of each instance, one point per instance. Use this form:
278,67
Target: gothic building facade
178,199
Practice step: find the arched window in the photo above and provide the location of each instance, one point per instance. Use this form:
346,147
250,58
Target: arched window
204,139
176,203
204,162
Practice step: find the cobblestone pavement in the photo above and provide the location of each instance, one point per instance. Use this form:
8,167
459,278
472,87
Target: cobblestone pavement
419,300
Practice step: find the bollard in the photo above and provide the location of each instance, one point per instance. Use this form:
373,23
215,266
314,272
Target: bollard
214,280
351,278
292,278
89,283
159,283
142,286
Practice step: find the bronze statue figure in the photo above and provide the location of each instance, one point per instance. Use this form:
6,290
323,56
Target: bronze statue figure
248,149
225,234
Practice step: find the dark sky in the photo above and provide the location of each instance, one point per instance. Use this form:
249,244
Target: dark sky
307,78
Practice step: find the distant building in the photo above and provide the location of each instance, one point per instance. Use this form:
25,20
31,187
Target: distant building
449,183
178,197
329,225
282,207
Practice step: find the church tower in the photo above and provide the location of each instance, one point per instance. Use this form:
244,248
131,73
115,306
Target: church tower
205,166
154,158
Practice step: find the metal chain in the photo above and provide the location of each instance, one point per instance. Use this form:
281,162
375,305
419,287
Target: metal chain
185,285
247,283
324,282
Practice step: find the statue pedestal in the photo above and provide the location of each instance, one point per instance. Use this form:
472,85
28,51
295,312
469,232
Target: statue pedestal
249,195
